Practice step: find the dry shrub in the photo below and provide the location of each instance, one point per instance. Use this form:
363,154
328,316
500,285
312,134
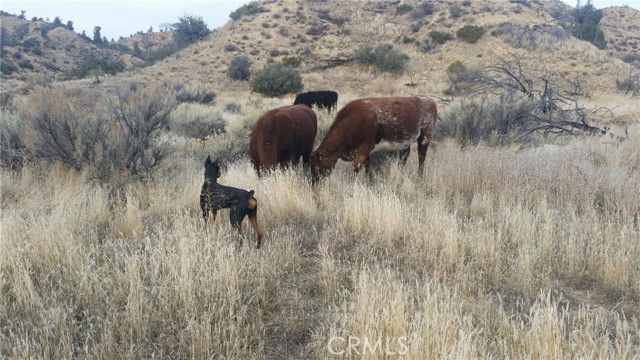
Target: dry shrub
106,137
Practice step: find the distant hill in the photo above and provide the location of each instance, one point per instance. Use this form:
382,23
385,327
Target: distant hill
324,35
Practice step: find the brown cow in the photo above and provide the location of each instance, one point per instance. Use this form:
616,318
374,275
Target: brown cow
281,136
376,124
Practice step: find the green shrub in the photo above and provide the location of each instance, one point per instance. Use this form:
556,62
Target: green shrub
470,33
403,9
7,68
26,64
586,27
239,68
440,37
246,10
633,59
384,57
276,80
188,30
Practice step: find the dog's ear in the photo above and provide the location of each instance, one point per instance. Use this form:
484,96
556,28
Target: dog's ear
208,161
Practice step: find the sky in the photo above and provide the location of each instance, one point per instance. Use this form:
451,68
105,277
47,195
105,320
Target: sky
121,18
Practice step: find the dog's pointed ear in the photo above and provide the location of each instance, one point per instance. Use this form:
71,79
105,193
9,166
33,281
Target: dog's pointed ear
208,161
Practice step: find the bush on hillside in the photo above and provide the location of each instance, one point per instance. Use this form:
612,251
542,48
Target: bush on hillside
470,33
440,37
276,80
586,27
196,121
96,64
103,137
239,68
403,9
198,95
383,56
246,10
188,30
496,121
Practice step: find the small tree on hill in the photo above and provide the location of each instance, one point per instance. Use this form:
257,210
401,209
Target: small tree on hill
586,27
97,38
189,29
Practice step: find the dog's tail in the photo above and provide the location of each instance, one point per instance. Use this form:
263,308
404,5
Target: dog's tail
253,217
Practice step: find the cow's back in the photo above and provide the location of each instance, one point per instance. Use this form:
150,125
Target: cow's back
281,134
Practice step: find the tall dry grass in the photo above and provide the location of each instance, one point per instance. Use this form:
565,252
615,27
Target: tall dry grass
495,253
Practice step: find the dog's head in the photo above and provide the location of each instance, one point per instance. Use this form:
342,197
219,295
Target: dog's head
211,169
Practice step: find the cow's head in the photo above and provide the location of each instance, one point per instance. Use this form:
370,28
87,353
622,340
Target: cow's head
321,166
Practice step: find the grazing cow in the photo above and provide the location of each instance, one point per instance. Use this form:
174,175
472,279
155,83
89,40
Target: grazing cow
240,203
281,136
322,99
376,124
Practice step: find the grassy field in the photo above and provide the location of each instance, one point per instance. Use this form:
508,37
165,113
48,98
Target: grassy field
508,252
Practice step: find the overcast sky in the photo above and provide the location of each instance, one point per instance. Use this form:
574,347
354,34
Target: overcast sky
118,18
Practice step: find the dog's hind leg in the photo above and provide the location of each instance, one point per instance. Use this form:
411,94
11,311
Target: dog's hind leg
253,218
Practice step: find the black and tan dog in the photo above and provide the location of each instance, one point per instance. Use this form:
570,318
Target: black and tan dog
240,202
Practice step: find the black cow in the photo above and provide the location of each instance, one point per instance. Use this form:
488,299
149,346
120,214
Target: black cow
322,99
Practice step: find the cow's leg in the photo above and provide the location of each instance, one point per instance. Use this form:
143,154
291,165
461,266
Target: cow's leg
306,160
423,144
404,155
361,157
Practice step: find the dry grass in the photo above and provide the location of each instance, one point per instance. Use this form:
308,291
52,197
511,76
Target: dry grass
495,253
